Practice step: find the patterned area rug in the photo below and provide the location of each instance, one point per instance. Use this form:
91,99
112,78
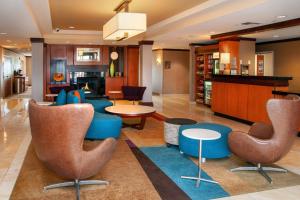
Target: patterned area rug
125,174
143,168
218,169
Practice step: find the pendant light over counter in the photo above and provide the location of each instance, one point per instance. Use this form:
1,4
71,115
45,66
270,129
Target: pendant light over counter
124,24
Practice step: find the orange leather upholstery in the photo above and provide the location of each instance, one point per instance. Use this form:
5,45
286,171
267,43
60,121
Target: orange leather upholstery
267,144
57,135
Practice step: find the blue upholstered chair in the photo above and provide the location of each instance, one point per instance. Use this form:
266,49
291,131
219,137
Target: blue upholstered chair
99,105
210,149
104,126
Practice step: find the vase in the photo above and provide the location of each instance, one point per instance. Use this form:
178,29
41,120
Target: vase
112,69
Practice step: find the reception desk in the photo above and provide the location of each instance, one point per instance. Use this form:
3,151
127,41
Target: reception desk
245,97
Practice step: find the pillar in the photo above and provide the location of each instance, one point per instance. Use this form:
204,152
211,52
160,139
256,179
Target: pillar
145,70
37,45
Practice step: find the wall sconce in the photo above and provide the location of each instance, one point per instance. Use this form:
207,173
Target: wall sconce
158,60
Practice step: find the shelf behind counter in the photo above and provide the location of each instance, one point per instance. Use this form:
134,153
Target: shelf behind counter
245,97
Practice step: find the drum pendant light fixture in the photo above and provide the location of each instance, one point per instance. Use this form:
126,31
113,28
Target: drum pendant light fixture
124,24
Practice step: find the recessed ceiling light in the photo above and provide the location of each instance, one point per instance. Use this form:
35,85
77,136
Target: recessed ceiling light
71,27
281,16
275,36
3,33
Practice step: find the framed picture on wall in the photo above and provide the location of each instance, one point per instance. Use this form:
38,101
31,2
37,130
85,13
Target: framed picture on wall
167,65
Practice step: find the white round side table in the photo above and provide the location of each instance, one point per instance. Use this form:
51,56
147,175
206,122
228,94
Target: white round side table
200,134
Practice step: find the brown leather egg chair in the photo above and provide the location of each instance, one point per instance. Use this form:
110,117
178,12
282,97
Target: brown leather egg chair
57,135
266,144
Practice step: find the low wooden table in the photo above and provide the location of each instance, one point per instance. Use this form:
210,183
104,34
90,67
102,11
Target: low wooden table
128,111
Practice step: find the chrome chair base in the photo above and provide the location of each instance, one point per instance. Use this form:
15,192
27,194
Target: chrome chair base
76,183
262,170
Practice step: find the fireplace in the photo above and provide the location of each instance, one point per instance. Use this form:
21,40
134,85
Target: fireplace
92,82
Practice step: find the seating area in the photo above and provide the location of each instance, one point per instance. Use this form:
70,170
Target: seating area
144,100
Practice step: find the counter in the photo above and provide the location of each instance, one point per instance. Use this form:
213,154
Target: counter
254,80
245,97
284,93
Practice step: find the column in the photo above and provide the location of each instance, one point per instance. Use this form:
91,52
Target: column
37,45
145,70
192,73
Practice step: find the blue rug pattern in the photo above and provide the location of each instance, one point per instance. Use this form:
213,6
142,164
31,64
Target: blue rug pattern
175,165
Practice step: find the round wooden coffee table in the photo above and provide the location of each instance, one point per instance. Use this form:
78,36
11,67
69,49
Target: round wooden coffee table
128,111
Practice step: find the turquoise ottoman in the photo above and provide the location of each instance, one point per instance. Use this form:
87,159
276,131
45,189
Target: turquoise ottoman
104,126
99,105
210,149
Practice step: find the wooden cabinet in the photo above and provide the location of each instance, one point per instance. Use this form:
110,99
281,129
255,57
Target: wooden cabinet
114,84
132,72
58,52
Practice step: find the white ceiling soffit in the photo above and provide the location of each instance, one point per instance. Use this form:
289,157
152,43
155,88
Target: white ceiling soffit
16,19
40,9
280,34
224,17
196,16
84,37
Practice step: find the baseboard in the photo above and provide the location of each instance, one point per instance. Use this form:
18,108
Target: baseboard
234,118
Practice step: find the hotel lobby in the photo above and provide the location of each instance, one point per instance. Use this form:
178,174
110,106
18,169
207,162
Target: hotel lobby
130,99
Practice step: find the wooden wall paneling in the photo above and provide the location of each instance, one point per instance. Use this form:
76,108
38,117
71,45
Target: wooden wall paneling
133,66
105,55
219,97
70,55
58,52
237,100
257,101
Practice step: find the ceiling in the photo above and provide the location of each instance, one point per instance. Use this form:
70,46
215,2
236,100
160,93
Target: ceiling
280,34
171,23
93,14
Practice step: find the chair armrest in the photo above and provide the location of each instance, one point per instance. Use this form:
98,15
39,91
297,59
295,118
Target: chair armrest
251,149
95,159
261,131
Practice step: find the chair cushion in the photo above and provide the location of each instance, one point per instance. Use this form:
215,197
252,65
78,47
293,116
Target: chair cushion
71,98
210,149
77,94
104,126
61,98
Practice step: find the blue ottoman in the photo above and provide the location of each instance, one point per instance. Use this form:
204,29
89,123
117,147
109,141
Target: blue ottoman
104,126
210,149
99,105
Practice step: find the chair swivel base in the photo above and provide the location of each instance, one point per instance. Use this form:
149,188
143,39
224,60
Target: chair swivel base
198,179
76,183
261,170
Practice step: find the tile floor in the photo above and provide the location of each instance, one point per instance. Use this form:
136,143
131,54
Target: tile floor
15,138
